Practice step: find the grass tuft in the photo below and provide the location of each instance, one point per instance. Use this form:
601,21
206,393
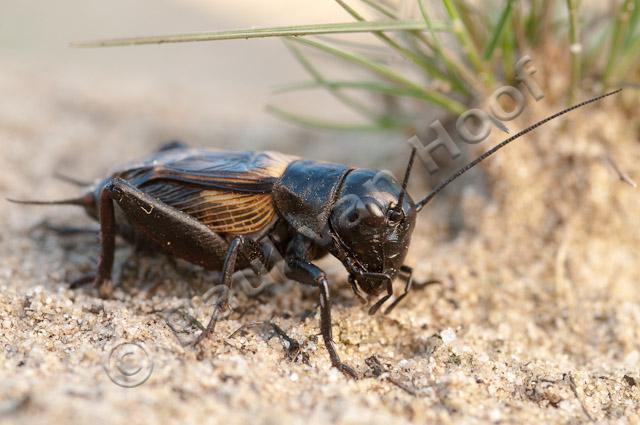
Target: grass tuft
456,60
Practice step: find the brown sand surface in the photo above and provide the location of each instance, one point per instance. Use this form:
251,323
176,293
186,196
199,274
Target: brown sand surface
536,319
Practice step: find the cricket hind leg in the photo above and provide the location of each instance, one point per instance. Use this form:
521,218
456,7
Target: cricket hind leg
107,244
183,236
169,229
253,254
140,248
175,232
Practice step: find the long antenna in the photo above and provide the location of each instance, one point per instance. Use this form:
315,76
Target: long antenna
407,174
502,144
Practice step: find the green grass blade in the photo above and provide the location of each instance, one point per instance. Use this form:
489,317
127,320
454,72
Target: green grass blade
424,62
318,77
295,30
373,50
380,8
369,86
531,24
633,24
372,86
456,73
498,30
302,85
619,31
385,72
630,60
310,121
595,45
475,18
575,49
508,56
455,67
462,33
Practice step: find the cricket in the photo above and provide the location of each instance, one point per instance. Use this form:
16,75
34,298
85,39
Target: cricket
314,212
231,211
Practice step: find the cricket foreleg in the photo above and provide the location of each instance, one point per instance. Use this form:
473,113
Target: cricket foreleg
407,272
308,273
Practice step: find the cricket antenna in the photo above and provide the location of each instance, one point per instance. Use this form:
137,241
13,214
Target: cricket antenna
405,181
82,201
502,144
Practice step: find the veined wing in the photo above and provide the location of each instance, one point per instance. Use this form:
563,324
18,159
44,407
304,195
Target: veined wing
230,192
252,172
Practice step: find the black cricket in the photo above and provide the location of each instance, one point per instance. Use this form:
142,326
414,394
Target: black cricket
229,211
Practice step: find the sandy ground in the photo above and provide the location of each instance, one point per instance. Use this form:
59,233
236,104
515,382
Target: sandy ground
536,319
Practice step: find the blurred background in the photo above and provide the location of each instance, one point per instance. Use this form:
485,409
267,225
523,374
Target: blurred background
236,75
536,249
